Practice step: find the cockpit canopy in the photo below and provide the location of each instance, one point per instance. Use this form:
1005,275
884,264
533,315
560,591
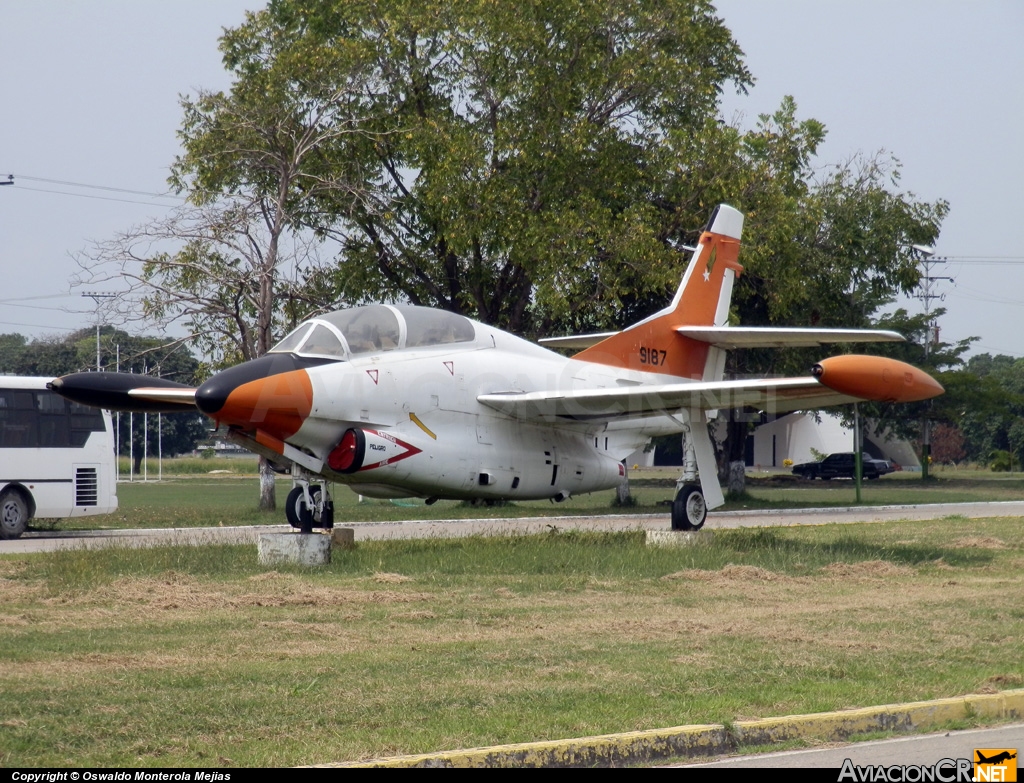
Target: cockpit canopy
375,329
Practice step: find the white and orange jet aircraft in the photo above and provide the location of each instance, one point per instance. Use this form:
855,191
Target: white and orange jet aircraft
400,401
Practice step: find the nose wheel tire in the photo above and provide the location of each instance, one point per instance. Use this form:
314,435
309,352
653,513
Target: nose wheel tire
689,511
297,512
300,516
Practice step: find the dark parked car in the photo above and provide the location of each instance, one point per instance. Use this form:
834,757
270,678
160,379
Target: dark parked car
843,465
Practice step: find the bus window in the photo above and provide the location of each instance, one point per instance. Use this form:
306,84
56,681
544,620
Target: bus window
56,458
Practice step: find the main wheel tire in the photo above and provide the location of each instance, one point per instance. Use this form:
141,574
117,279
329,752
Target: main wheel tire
689,510
13,514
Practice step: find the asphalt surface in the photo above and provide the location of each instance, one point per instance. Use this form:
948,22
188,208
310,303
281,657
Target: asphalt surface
917,750
49,540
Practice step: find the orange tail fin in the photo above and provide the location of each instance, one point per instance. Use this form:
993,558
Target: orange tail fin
703,298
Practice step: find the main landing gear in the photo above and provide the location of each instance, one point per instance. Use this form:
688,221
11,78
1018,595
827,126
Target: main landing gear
689,510
309,505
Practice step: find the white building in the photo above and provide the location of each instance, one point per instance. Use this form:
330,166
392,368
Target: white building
794,435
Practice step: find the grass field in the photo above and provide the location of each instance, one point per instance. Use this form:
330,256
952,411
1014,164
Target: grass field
181,656
227,496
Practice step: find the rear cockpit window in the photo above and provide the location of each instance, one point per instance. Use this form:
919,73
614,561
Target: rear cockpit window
367,329
435,327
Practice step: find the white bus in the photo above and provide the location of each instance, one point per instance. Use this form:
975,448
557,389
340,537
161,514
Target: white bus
56,457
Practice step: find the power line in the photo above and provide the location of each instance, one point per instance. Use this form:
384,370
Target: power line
41,326
31,298
97,198
96,187
986,260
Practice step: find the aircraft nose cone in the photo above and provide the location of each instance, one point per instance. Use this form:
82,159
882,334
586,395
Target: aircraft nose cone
272,393
211,396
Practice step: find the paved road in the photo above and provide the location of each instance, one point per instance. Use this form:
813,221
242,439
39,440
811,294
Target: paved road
49,540
925,750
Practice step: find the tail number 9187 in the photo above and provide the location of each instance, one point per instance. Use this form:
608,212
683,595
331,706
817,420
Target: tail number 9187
652,356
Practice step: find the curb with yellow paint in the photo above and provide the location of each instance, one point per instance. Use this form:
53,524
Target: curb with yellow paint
705,740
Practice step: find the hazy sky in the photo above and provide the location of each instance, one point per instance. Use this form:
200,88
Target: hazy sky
89,95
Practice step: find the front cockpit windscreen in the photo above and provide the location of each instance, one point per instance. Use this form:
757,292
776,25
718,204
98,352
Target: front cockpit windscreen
376,329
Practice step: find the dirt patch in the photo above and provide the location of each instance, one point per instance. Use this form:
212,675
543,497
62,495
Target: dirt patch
385,578
1005,681
868,569
979,542
16,590
181,592
729,573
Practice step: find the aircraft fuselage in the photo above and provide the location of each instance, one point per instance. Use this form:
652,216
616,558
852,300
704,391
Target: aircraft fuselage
424,432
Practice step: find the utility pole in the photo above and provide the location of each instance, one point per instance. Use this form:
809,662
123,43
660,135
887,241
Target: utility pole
928,258
96,296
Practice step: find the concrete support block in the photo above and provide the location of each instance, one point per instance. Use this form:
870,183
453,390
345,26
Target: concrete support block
307,549
343,538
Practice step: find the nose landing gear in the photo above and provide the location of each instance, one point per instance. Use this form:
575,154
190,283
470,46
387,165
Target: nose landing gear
309,506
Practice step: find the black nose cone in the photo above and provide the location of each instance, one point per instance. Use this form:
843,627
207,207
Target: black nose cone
213,395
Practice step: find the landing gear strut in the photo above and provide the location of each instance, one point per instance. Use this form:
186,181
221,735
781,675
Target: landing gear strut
309,505
689,510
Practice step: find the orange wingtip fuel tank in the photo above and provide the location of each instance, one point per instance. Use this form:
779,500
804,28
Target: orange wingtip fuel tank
876,378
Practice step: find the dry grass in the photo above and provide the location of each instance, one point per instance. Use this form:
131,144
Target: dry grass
443,645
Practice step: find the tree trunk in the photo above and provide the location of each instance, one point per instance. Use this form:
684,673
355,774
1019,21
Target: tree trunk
737,478
268,486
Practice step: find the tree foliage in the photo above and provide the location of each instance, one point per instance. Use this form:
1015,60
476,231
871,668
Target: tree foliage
991,415
515,161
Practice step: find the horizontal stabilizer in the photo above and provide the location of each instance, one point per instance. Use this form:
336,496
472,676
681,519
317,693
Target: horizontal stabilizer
730,337
578,341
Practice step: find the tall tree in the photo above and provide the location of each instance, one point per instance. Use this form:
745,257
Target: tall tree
516,152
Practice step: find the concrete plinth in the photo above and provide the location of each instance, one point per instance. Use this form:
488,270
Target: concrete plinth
679,537
307,549
343,538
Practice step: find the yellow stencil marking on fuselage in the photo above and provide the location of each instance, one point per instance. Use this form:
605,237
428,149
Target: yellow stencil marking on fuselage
416,420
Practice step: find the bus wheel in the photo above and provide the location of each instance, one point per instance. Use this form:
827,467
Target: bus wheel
13,514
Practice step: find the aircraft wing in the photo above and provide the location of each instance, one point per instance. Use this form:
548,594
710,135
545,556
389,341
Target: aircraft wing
731,337
777,395
834,381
